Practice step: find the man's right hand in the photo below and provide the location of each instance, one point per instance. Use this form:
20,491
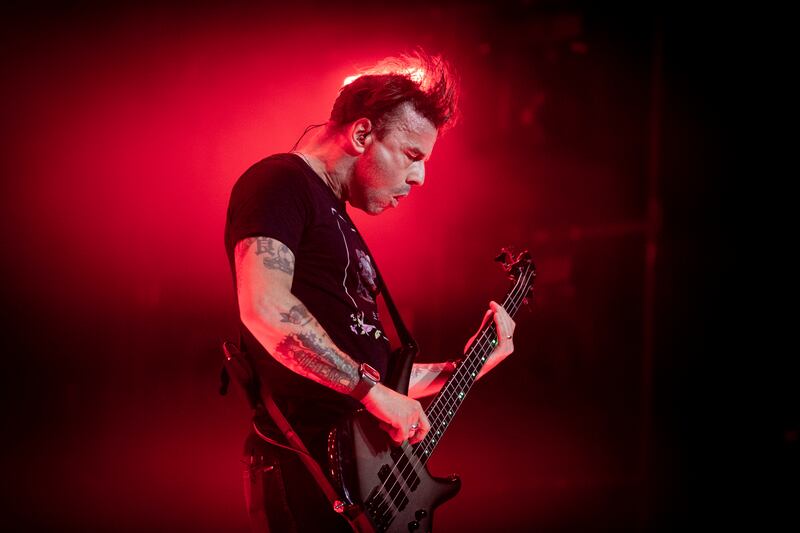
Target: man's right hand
397,414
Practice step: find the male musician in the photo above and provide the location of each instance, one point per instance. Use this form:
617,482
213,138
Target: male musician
306,282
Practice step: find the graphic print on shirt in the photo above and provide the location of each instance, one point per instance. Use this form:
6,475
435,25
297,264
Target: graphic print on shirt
367,288
366,274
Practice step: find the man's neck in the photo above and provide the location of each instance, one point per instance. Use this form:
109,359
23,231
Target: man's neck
327,159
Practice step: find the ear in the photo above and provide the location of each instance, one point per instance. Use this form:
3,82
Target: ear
360,135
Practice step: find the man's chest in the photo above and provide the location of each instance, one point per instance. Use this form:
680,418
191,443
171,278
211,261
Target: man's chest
332,250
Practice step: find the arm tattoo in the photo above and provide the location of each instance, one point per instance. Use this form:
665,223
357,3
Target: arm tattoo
242,247
278,256
430,370
430,377
297,315
306,354
417,373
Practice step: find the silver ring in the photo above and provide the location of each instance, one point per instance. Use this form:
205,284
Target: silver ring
414,427
509,336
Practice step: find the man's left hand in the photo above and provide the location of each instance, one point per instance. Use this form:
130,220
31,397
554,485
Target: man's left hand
505,336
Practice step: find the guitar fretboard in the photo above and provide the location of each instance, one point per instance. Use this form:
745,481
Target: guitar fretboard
445,405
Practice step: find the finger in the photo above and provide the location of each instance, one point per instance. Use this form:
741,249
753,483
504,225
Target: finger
503,329
414,435
501,317
410,428
424,424
398,436
422,430
505,324
500,311
483,323
394,433
486,317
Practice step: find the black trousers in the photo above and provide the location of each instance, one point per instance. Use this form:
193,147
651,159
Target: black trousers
281,494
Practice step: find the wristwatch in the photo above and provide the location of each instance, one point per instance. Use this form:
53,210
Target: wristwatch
369,377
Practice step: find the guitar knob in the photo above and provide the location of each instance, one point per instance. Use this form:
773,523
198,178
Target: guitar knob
420,514
413,525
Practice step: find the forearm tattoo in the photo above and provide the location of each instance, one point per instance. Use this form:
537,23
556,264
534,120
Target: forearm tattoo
307,354
428,378
297,315
429,370
417,373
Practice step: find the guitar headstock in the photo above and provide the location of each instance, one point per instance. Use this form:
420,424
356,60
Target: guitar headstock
519,268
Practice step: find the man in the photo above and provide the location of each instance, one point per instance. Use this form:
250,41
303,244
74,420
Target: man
306,283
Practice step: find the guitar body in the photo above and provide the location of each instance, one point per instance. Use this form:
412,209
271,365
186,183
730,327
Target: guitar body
396,494
387,488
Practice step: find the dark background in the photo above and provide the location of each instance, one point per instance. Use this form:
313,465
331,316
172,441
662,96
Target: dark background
591,135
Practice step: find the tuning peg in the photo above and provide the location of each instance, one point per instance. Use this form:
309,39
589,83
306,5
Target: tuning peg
502,257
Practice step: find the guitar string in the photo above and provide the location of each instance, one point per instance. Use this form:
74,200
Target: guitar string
515,299
463,379
399,477
483,346
480,347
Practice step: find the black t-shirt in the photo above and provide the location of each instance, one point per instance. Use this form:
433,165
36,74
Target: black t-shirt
281,197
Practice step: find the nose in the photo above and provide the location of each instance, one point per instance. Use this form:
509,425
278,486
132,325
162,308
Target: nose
417,174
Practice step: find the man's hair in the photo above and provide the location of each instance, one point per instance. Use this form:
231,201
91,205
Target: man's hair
428,83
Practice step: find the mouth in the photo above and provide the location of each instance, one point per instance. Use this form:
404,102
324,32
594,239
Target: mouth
396,199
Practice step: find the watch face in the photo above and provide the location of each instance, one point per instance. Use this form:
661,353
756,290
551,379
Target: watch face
370,373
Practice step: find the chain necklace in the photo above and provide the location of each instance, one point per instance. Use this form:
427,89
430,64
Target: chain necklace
324,175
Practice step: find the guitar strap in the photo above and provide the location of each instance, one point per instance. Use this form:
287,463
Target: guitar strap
260,399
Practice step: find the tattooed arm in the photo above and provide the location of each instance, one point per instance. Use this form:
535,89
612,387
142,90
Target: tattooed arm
429,378
291,334
264,272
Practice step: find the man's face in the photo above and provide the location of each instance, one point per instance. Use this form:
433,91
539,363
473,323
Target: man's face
390,166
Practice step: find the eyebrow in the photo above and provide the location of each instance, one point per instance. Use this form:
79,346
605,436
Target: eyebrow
417,152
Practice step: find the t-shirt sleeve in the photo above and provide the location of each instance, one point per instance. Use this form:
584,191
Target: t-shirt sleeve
272,200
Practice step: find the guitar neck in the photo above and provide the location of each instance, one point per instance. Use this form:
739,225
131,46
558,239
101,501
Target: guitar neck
445,405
